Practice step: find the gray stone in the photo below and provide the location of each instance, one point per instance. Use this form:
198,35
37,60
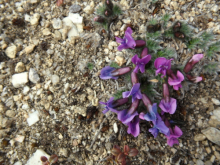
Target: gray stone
214,122
199,137
33,76
11,51
212,134
216,112
35,19
217,155
74,8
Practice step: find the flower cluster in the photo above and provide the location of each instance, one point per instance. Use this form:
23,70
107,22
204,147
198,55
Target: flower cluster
168,105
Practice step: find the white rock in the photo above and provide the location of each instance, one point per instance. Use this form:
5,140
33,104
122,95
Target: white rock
35,158
115,127
27,17
200,5
167,2
124,3
73,32
215,101
11,51
26,90
25,106
19,79
119,60
63,152
75,18
67,23
10,113
29,49
214,8
33,118
35,19
112,44
33,76
20,67
79,27
18,163
57,35
89,8
174,4
57,23
34,1
19,138
66,87
46,32
127,20
55,79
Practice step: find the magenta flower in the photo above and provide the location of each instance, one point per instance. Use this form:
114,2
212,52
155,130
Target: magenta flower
127,42
175,80
140,63
159,126
152,109
111,104
175,133
127,115
162,65
193,79
190,64
135,92
110,72
133,127
167,104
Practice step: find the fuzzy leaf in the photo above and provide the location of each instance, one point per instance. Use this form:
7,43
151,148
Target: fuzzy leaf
133,152
155,35
115,151
169,33
118,94
121,158
114,65
126,149
210,67
212,49
116,10
153,22
193,43
153,45
101,10
53,159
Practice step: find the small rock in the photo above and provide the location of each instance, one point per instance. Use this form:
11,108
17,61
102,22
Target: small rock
199,137
19,79
74,8
125,5
66,87
216,112
34,19
115,127
57,23
33,118
214,8
119,60
73,32
26,90
10,113
214,122
215,101
55,79
33,76
167,2
29,49
199,162
212,134
75,18
20,67
11,51
89,8
57,35
33,1
19,138
35,158
63,152
46,32
208,162
217,155
175,5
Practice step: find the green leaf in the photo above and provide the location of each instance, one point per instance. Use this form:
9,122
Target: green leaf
116,10
210,68
165,19
114,65
154,1
118,94
193,43
155,35
212,49
153,45
186,29
153,22
169,33
167,53
101,10
90,66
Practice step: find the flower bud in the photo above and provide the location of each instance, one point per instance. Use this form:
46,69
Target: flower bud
109,4
144,52
121,71
190,64
99,19
140,43
134,78
194,79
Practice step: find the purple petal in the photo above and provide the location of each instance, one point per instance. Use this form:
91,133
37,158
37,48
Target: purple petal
119,102
163,128
122,46
190,64
126,94
145,59
136,69
130,41
158,71
102,103
120,71
141,116
135,88
134,78
135,59
129,31
133,127
105,111
173,105
159,61
140,43
106,73
177,131
176,87
172,141
180,76
154,131
119,40
144,52
110,100
142,68
125,117
139,95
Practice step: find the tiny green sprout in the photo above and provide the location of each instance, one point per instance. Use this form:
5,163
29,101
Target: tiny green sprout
155,35
210,68
114,65
154,1
165,19
153,45
193,43
212,49
117,10
153,22
118,94
90,66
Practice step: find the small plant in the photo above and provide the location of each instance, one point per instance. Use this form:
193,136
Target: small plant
90,66
107,13
53,159
121,158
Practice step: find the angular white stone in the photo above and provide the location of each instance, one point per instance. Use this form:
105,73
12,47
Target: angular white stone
57,23
35,19
19,138
19,79
115,127
215,101
55,79
33,118
26,90
73,32
29,49
35,158
67,23
33,76
75,18
11,51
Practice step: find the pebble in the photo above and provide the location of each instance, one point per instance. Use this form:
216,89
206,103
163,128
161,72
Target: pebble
120,60
33,76
75,18
208,162
175,5
33,1
217,155
214,122
34,19
74,8
57,35
215,101
199,137
11,51
63,152
212,134
19,79
89,8
46,32
199,162
19,138
26,90
216,112
57,23
73,33
33,118
10,113
115,127
19,67
167,2
55,79
214,8
29,49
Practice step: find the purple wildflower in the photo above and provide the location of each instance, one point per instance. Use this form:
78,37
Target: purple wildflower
167,104
140,63
194,79
162,65
190,64
159,126
175,133
110,72
175,80
127,115
111,104
152,109
133,127
127,42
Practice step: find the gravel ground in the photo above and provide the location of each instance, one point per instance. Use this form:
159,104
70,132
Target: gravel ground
47,89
